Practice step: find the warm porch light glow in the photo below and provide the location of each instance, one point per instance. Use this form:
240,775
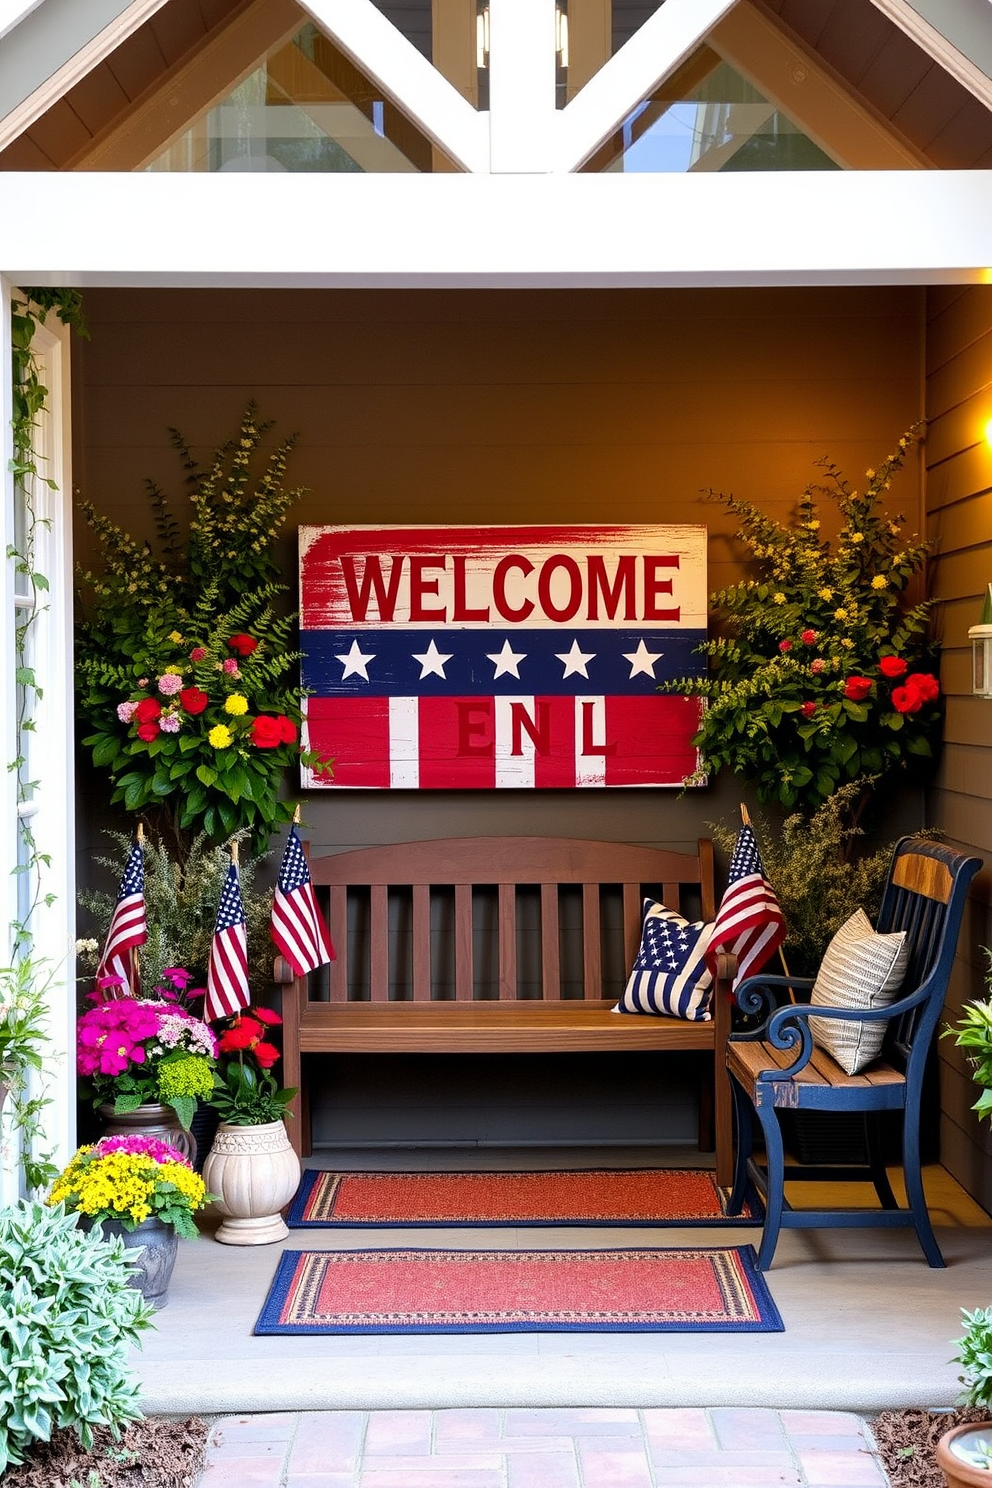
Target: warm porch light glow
980,636
988,432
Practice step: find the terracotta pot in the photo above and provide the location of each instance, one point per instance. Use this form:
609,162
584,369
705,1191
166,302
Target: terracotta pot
255,1172
958,1472
152,1120
155,1246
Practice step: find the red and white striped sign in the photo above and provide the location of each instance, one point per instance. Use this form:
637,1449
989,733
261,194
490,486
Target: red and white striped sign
498,657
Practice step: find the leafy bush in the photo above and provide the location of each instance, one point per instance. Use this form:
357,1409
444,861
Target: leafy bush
67,1319
974,1034
813,869
975,1355
825,676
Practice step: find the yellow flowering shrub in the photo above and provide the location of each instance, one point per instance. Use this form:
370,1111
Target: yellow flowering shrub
129,1179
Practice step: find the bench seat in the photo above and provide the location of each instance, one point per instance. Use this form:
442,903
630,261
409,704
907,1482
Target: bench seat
363,1009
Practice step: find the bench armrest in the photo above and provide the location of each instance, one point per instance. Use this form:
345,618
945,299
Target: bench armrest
788,1027
761,996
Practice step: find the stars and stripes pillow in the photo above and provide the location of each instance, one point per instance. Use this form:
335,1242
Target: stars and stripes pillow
670,975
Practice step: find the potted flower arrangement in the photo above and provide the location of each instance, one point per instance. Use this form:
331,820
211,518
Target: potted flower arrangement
141,1189
824,676
964,1454
185,670
146,1061
251,1166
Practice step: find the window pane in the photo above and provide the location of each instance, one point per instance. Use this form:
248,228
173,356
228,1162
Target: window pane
306,107
707,117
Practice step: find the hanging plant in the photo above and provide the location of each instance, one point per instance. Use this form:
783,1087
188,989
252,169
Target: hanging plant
825,675
186,673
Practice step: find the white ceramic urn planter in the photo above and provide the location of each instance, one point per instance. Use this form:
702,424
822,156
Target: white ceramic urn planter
255,1172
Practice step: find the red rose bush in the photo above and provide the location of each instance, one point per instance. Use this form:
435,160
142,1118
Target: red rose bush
823,675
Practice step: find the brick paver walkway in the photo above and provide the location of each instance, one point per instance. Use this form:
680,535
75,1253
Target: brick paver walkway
720,1448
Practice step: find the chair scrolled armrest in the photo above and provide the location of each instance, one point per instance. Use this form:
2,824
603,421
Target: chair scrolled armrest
758,995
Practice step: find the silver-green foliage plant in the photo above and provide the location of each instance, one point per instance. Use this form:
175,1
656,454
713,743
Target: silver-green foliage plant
975,1357
25,989
814,868
974,1034
67,1320
181,908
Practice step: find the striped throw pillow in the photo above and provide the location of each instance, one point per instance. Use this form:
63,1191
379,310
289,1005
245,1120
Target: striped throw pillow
861,969
670,975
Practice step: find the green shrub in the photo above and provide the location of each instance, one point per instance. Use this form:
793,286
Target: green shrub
975,1356
67,1318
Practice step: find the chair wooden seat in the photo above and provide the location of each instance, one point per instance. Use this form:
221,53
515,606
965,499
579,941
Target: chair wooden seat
777,1066
383,993
821,1085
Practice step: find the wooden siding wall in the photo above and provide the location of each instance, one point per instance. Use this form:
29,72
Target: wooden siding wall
505,407
959,499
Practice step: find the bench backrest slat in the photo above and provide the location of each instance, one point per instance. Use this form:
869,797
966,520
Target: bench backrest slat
440,894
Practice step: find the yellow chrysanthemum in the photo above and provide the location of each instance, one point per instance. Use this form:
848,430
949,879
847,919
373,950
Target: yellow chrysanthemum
879,581
813,525
175,637
847,643
237,703
857,537
825,593
778,599
220,736
840,614
173,671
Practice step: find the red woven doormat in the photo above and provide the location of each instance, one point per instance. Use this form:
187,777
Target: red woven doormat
519,1291
614,1196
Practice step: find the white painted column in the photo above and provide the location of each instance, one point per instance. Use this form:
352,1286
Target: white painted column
522,116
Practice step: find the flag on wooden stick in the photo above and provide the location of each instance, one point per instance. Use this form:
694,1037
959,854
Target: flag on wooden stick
128,927
749,923
298,927
227,971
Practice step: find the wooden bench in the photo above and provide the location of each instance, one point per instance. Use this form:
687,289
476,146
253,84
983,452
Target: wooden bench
361,1009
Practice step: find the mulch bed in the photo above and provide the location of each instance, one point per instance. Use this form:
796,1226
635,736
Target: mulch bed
906,1441
156,1452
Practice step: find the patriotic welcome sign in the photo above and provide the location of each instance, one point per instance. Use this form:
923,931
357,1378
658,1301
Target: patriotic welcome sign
501,657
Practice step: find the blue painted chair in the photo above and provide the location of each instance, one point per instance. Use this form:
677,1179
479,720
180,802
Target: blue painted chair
777,1066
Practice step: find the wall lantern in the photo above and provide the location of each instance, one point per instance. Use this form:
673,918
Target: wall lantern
980,636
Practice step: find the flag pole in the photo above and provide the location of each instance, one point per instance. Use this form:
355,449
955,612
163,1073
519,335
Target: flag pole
746,819
139,837
296,815
234,852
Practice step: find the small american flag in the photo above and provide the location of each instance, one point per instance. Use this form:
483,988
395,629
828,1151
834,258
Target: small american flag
128,927
749,923
227,973
298,927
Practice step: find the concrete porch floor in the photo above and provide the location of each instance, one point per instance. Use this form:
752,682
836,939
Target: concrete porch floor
868,1325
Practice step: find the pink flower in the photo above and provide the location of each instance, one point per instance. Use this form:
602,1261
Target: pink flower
785,646
125,711
198,653
142,1147
817,666
171,723
169,684
230,666
808,637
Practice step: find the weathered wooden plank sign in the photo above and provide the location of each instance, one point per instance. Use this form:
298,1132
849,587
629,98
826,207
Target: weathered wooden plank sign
443,658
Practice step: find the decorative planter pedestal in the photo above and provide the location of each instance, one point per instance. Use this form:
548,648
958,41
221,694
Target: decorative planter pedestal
958,1472
255,1172
156,1246
156,1121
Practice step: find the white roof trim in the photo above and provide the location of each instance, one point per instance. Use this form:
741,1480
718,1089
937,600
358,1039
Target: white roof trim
608,230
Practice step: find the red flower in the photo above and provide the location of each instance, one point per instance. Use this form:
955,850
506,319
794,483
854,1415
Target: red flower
808,637
243,644
193,699
892,666
265,1055
266,1015
785,645
147,710
808,709
925,683
148,731
265,732
906,700
198,653
287,729
244,1033
857,688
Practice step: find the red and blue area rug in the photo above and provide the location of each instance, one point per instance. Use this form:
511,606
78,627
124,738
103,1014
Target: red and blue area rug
643,1290
600,1196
